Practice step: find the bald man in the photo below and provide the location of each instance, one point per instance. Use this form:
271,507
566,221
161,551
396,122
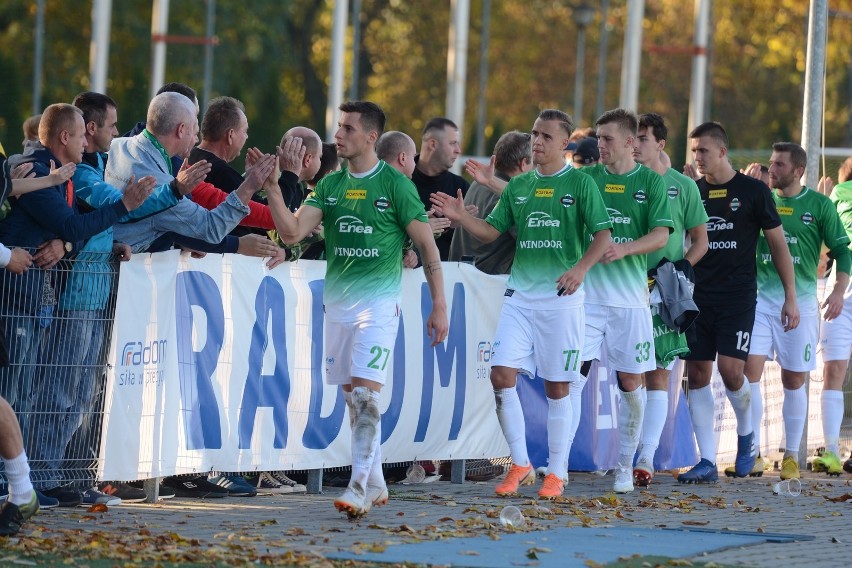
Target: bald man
398,150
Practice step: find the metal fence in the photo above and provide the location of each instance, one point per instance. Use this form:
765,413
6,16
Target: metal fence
57,324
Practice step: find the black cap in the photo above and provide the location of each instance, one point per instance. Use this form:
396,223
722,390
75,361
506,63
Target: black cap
587,149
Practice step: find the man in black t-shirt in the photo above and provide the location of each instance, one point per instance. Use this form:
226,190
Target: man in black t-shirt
738,207
438,152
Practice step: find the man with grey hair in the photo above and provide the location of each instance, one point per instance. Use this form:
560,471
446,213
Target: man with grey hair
512,156
172,130
398,150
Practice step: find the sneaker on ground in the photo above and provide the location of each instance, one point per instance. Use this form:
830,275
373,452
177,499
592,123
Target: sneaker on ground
67,496
746,456
789,468
281,478
45,502
756,471
703,472
163,492
268,485
643,472
828,462
236,485
197,487
13,516
92,496
351,502
551,487
124,491
847,465
377,495
623,480
518,475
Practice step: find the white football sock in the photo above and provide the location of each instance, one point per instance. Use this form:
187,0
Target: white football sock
795,412
558,426
832,418
511,418
702,410
741,403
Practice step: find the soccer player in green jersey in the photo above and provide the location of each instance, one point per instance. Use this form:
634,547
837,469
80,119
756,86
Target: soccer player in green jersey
555,208
809,219
367,209
617,316
689,219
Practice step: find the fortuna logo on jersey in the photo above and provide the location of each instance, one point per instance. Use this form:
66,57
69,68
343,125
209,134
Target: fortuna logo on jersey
786,211
640,196
544,193
567,200
352,224
672,192
356,194
718,224
807,218
614,188
382,204
617,217
538,219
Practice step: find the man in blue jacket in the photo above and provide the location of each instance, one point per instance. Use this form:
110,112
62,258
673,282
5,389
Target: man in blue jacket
63,395
47,221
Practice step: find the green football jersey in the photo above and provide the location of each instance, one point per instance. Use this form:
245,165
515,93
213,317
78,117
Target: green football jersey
637,203
809,219
687,213
841,196
553,215
365,220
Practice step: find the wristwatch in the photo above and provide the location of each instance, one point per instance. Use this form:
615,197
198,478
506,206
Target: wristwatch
69,246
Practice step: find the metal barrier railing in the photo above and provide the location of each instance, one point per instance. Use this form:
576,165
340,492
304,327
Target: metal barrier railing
57,325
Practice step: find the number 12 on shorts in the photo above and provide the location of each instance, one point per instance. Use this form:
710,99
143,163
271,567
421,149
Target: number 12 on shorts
572,359
380,354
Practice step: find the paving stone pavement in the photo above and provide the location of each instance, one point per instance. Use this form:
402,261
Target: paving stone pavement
309,523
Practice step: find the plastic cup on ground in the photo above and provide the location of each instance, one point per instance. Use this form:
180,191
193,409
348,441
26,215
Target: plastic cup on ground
415,474
511,516
790,487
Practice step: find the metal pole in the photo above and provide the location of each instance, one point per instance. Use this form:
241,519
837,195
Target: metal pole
210,30
602,55
578,76
698,88
99,45
811,128
335,89
457,61
632,55
483,77
38,59
159,28
356,50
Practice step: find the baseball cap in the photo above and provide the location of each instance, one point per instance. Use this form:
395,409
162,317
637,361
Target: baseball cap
587,149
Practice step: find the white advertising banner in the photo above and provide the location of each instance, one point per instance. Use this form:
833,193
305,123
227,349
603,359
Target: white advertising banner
216,364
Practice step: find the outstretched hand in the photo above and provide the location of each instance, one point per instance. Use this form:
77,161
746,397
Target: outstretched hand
448,206
481,173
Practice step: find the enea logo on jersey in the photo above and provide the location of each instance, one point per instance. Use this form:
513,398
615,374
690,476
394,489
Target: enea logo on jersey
614,188
640,196
789,239
538,219
718,224
787,211
520,200
352,224
544,192
567,200
617,217
356,194
807,218
382,204
672,192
